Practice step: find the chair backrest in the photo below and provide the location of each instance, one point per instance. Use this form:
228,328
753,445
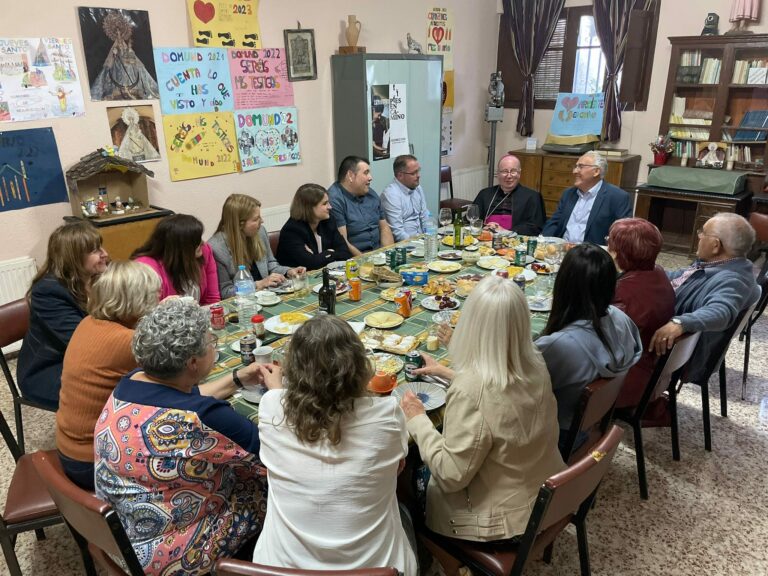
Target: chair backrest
567,494
446,178
593,413
85,513
762,280
274,240
760,224
14,321
229,567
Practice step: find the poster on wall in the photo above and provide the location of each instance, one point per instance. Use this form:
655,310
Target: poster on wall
38,79
118,53
134,132
380,121
260,78
225,23
267,137
193,80
30,169
200,145
446,132
398,123
440,35
577,114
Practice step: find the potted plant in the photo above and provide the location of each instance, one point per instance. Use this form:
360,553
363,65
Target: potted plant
662,148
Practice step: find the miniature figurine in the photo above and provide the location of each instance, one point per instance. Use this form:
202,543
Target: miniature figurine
710,25
413,46
118,209
742,13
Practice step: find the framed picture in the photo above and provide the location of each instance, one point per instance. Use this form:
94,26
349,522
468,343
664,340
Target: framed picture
711,154
300,49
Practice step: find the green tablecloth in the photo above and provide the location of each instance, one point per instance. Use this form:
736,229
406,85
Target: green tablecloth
418,323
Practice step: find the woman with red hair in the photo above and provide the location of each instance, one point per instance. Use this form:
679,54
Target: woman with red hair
643,293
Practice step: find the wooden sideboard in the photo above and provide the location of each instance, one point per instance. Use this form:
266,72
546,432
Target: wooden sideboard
550,173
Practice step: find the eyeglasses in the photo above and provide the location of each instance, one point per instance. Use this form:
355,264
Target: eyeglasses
414,173
701,232
582,166
213,340
505,173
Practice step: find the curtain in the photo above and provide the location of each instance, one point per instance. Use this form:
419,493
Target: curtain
612,25
532,24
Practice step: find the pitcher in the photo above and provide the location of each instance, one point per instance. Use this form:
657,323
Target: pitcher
353,30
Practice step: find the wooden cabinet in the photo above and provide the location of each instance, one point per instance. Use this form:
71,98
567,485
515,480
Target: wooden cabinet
550,173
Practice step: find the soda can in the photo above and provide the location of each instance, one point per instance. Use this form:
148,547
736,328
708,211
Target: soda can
247,346
391,259
501,272
218,322
413,361
497,242
532,243
355,289
402,255
519,279
520,253
352,269
404,302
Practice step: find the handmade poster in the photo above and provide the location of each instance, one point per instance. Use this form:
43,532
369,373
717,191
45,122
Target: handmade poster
134,133
380,121
226,24
193,80
118,53
200,145
398,124
260,78
577,114
30,169
38,79
267,137
440,35
446,132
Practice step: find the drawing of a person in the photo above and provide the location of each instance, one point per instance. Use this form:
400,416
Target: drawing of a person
61,94
135,146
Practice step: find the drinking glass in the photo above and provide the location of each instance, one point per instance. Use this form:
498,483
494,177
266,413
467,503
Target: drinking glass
300,284
446,216
473,217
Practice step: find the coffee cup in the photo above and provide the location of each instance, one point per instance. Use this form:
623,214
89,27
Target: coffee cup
263,355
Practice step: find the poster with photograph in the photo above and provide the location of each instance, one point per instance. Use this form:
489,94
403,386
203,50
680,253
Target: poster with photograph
380,121
193,80
30,169
118,53
134,133
38,79
446,132
398,123
260,78
440,35
200,145
267,137
225,24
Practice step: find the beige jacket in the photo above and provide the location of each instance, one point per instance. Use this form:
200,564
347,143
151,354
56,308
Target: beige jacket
498,446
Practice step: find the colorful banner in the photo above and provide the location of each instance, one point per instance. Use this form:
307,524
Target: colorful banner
260,78
577,114
440,35
226,24
193,80
267,137
30,169
200,145
38,79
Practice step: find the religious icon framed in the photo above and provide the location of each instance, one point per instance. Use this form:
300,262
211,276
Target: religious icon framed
300,54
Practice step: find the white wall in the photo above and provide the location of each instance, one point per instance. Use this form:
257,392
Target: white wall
384,26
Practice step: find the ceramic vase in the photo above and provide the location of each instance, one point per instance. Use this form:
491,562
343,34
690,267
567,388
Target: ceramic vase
353,30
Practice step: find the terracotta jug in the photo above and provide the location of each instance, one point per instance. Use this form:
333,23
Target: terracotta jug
353,30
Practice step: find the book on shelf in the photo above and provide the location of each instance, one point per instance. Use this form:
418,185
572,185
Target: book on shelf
757,75
613,151
710,71
752,119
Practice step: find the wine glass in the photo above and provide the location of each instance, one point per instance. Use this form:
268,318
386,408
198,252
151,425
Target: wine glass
446,216
473,217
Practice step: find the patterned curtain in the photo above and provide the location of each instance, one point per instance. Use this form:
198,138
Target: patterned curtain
612,25
532,24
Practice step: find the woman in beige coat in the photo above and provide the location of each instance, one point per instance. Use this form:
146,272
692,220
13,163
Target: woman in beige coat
499,440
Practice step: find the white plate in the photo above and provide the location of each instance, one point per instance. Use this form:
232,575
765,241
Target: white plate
449,254
378,259
553,239
253,395
338,264
431,304
553,271
431,395
358,327
275,326
383,320
267,298
493,263
388,363
418,253
235,345
341,287
530,275
539,304
284,288
444,267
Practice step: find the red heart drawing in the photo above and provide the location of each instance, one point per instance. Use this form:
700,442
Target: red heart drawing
569,103
204,10
438,33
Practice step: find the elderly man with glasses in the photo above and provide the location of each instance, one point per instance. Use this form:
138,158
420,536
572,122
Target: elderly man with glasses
403,199
587,209
509,205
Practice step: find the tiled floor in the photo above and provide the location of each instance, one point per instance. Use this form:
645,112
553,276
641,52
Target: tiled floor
707,515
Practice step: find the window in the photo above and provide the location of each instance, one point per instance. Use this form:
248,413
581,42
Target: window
574,61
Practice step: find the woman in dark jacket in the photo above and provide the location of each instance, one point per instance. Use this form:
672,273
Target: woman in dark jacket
310,237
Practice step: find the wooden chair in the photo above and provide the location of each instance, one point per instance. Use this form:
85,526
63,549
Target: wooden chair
452,203
28,506
563,499
14,323
592,417
229,567
93,523
274,240
661,379
745,334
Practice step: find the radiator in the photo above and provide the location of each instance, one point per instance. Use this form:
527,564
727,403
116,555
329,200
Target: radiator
467,182
15,278
275,216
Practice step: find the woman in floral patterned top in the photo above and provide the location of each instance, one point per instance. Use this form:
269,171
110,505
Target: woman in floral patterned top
180,469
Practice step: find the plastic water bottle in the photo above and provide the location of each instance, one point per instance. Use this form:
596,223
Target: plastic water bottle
430,238
244,292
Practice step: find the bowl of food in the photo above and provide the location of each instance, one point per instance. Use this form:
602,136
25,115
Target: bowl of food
382,383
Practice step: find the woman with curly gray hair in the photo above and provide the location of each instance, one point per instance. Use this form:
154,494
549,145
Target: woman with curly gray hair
180,468
333,453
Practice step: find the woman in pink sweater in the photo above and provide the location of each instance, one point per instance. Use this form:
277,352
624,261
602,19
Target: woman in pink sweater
184,262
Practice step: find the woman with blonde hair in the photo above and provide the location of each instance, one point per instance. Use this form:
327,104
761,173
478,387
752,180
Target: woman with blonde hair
57,301
332,453
98,355
500,437
241,240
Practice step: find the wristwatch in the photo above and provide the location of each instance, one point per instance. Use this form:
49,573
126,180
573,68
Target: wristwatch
677,320
235,379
